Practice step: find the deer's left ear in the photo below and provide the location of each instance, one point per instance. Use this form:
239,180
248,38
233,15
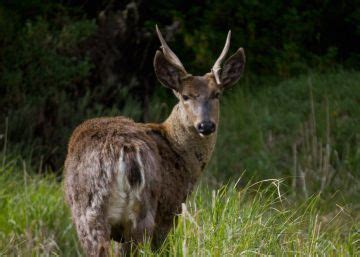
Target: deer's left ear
233,69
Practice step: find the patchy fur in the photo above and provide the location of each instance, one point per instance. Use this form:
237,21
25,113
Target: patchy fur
111,180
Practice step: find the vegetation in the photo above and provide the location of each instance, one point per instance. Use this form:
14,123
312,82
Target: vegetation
64,61
269,210
312,122
256,219
289,130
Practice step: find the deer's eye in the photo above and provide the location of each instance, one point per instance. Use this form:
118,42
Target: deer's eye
185,97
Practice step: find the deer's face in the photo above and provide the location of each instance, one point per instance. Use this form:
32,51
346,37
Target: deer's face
199,101
198,95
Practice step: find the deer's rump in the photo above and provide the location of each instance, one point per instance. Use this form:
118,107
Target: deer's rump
112,178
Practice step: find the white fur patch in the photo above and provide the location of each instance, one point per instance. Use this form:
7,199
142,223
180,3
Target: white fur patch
123,198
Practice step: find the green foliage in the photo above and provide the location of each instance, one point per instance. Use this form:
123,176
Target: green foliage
280,38
41,75
55,70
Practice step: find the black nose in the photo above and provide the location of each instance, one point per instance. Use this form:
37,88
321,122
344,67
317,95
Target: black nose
206,127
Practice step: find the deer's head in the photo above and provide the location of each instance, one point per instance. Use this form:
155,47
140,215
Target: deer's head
198,95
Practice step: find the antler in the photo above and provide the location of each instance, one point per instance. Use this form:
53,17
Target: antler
168,53
217,66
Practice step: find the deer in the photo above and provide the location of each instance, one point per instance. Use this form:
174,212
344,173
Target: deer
127,181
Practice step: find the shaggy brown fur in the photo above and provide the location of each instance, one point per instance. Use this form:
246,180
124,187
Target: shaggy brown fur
126,181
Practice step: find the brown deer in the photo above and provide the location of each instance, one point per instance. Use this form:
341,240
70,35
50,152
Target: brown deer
126,181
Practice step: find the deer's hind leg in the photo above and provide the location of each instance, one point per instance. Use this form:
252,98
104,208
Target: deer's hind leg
135,235
87,188
95,238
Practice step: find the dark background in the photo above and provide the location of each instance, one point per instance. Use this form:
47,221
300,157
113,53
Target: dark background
62,62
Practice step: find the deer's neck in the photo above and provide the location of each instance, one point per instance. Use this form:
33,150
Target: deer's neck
185,141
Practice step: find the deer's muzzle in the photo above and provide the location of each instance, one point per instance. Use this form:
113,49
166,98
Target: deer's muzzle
206,127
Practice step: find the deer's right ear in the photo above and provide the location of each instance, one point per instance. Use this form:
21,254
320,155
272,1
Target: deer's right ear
233,69
167,73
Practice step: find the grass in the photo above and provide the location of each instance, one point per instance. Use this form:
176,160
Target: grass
297,141
33,219
256,219
307,128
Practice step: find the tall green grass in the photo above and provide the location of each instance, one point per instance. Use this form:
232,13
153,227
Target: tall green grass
33,217
256,219
305,128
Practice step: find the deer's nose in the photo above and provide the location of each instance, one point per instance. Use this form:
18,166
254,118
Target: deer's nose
206,127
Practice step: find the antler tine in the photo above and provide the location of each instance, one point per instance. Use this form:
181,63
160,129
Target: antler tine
169,54
217,66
